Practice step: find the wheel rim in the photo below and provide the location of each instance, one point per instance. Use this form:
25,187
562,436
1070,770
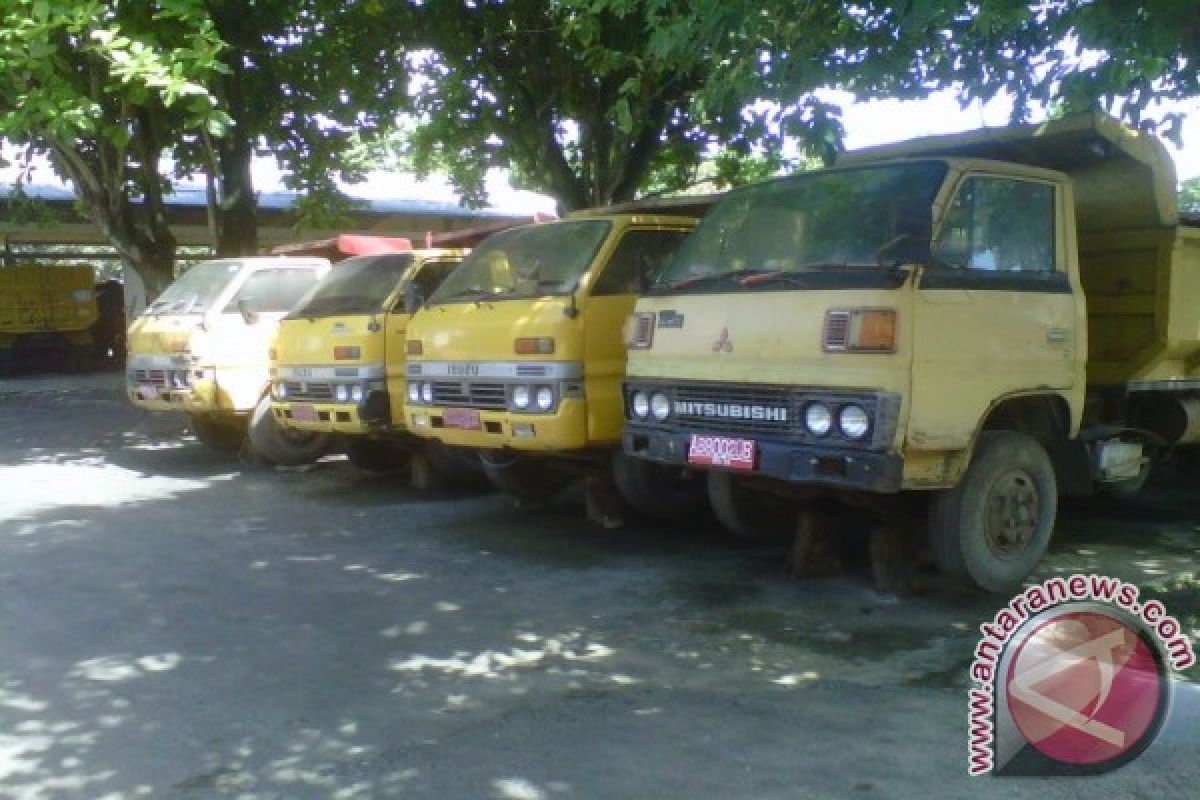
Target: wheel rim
1013,512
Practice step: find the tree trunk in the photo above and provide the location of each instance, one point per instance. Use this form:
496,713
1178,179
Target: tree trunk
237,227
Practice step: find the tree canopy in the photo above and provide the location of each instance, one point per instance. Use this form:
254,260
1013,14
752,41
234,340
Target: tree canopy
591,101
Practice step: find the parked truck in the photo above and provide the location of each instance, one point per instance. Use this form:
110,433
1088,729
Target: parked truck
992,318
519,355
46,316
200,349
333,351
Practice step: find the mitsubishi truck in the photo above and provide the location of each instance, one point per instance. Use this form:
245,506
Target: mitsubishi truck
518,355
200,349
46,316
989,318
331,354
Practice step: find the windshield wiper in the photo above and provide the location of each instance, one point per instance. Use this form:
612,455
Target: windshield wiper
790,275
712,277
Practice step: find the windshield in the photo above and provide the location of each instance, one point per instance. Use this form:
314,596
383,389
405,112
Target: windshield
815,221
533,261
194,291
359,285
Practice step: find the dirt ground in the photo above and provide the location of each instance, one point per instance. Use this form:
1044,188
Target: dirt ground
174,624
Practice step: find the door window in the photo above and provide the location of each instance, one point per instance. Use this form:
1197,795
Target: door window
428,280
649,250
1001,225
270,290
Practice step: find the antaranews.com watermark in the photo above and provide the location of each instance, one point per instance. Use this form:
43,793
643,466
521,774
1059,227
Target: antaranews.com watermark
1072,677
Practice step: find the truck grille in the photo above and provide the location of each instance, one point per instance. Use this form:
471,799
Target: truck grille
150,377
734,408
302,390
470,394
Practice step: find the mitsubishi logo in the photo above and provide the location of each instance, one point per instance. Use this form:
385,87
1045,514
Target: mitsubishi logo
723,344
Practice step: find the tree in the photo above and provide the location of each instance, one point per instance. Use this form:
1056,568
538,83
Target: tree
125,97
104,88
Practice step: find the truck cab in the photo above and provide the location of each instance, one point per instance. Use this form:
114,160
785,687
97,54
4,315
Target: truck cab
201,347
331,354
518,354
981,316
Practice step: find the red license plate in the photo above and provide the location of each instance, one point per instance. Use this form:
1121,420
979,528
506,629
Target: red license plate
466,419
719,451
304,413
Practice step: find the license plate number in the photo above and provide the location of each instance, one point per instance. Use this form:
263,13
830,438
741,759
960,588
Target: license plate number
719,451
304,413
148,392
466,419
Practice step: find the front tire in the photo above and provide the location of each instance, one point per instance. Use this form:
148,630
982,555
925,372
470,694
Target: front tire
657,491
749,515
281,446
522,477
373,455
217,432
995,525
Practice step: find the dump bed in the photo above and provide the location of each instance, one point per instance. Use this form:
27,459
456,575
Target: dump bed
1139,261
38,299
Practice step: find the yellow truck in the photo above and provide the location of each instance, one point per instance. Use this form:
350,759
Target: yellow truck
46,315
990,318
201,349
333,352
519,356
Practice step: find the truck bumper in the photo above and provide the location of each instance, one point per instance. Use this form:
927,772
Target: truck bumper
565,429
787,461
372,416
202,397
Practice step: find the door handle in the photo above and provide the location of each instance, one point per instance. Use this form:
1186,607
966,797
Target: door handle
1056,335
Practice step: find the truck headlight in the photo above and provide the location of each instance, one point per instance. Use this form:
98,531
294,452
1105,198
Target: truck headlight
356,393
818,419
660,406
853,421
341,393
520,397
544,398
427,392
639,403
414,393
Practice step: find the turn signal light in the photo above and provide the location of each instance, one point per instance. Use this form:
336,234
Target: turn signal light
860,330
413,347
346,353
533,345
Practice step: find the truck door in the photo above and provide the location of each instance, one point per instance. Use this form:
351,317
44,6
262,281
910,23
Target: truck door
611,300
249,319
997,315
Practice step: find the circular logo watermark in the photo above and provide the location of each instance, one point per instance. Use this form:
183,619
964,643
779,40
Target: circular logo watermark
1086,688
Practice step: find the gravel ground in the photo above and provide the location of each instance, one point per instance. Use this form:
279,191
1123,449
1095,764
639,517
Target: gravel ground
177,625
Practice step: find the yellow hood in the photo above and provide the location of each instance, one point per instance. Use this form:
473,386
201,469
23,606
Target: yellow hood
300,342
485,331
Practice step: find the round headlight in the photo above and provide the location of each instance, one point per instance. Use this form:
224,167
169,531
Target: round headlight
520,397
640,403
818,419
544,398
854,422
414,392
427,392
341,393
660,406
356,393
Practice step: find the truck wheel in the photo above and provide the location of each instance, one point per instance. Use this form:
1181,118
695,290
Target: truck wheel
747,514
373,455
283,446
657,491
994,527
522,477
216,433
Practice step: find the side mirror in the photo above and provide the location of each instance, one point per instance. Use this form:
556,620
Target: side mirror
249,315
412,298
